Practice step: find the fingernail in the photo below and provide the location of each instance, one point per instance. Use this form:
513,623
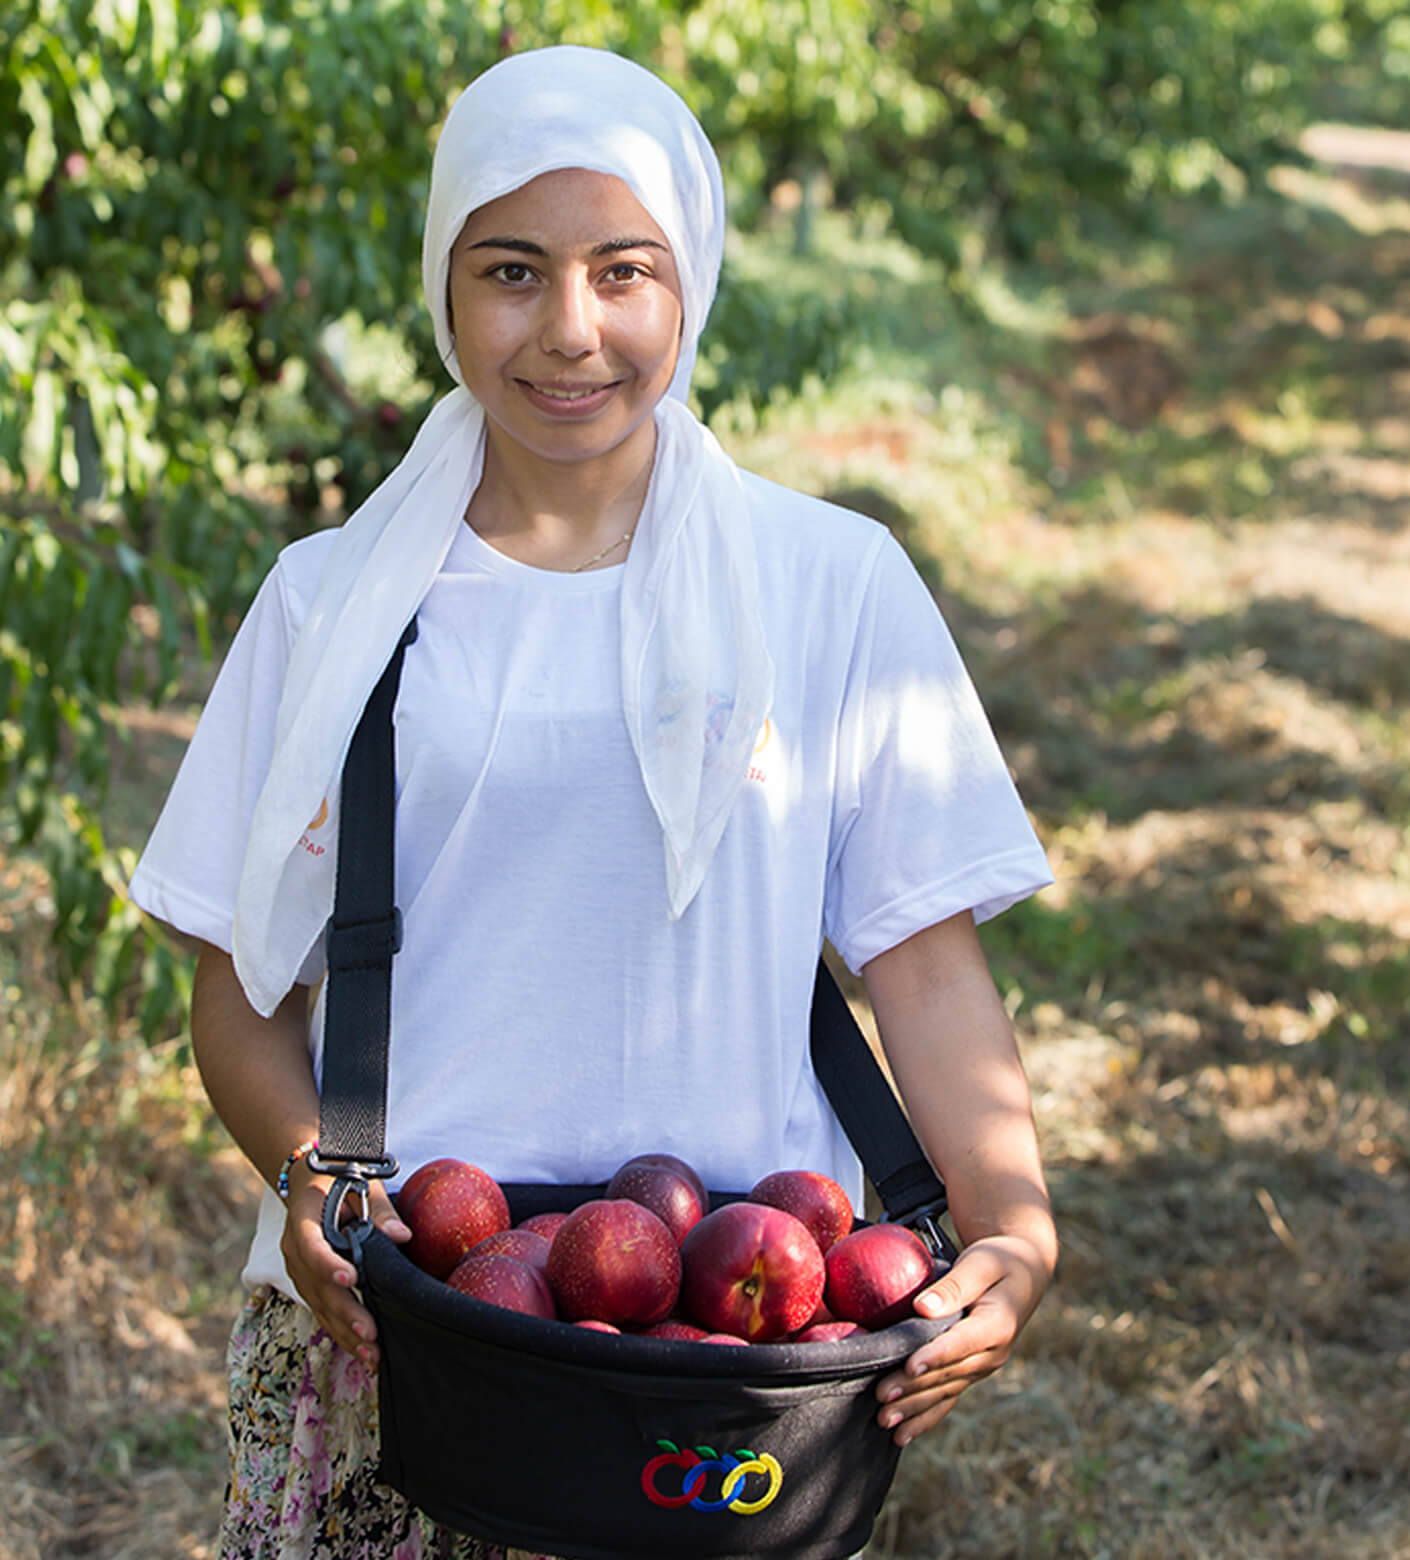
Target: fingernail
360,1328
890,1421
891,1394
340,1276
930,1305
396,1229
365,1355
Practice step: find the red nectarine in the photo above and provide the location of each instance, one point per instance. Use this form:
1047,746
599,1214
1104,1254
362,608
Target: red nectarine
671,1162
503,1281
751,1270
815,1199
678,1331
875,1273
522,1245
614,1261
449,1207
666,1192
545,1224
828,1332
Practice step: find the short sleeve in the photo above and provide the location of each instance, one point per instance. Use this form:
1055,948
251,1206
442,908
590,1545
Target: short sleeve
926,819
190,870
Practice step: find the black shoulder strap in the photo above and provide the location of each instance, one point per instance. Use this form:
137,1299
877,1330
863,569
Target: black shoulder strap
909,1188
365,933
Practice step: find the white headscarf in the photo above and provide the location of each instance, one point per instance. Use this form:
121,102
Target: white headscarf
697,681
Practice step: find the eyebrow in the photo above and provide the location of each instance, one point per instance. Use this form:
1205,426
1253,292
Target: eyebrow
610,246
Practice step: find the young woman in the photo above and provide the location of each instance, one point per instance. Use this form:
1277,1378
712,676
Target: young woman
664,727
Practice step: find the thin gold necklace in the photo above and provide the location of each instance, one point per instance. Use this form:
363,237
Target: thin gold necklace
598,557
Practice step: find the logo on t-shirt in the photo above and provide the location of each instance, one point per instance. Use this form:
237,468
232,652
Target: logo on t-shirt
758,769
312,826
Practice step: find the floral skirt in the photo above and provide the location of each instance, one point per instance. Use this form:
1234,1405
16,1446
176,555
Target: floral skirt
303,1453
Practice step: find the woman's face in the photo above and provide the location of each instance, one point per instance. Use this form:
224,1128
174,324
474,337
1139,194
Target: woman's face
566,311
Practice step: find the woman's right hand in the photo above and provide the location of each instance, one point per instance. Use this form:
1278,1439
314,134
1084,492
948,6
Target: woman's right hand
259,1077
324,1277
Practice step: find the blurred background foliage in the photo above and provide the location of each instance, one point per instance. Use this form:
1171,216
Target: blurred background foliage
210,324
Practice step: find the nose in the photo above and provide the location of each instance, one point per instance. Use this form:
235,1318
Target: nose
571,324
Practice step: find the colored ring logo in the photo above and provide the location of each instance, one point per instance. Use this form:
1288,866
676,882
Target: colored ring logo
734,1479
735,1493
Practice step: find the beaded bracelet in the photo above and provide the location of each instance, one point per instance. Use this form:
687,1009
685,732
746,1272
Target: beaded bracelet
281,1183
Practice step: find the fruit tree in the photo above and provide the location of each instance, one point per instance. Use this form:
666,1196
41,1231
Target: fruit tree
204,199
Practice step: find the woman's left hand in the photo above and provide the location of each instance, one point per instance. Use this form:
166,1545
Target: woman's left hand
997,1281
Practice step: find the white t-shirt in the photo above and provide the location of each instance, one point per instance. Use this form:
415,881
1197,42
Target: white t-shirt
549,1020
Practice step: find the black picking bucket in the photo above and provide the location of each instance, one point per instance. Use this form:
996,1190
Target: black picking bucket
566,1441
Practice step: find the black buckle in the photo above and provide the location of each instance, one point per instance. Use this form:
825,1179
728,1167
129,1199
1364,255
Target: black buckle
361,945
925,1222
380,1169
351,1178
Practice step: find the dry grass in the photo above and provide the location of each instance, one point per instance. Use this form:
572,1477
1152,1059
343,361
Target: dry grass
1197,651
1207,705
120,1242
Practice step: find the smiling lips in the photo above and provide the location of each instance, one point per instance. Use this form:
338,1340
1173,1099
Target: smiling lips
567,395
573,400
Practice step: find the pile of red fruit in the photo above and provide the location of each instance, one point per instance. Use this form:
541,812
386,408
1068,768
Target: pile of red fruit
650,1258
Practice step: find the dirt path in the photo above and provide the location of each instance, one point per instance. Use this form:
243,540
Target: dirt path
1358,146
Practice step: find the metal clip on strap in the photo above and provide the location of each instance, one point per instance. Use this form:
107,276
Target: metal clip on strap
914,1196
351,1177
